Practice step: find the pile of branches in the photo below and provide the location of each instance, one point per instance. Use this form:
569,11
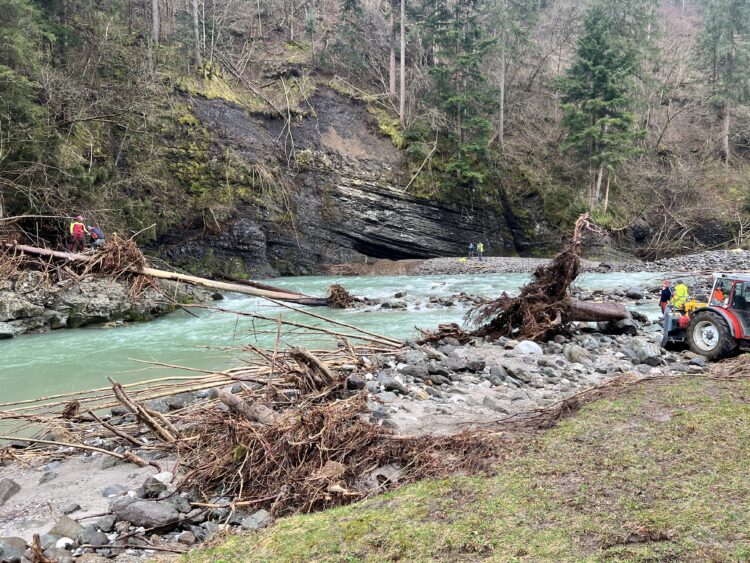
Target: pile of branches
542,310
339,297
318,456
117,256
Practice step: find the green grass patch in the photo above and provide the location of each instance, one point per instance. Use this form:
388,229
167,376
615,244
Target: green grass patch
659,473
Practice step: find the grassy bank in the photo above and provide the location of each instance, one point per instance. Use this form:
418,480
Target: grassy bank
657,473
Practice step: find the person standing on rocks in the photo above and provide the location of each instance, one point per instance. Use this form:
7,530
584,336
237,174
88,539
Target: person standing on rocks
77,233
471,250
480,251
666,296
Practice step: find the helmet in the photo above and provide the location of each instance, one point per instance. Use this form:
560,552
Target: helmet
79,217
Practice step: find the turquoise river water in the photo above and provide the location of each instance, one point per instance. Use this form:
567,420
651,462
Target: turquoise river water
73,359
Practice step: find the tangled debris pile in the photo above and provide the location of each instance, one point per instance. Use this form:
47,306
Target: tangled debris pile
291,431
542,310
339,297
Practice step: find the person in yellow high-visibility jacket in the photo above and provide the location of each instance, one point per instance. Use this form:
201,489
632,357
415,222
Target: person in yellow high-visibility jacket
680,295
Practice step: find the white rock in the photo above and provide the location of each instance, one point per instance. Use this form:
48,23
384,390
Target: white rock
529,348
63,543
165,477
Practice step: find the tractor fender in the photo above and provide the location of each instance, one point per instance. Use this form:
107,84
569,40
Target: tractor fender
735,328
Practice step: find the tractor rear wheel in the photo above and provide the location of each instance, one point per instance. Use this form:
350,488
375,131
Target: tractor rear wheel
709,335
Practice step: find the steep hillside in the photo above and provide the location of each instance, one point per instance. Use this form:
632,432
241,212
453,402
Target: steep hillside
271,139
333,187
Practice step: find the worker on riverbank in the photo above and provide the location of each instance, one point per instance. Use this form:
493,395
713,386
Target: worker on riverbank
680,295
97,237
480,251
471,250
77,233
666,295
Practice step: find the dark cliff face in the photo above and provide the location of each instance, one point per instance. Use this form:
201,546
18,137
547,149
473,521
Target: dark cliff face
341,200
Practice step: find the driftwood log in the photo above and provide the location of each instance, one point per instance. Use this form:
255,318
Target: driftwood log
597,312
246,288
252,411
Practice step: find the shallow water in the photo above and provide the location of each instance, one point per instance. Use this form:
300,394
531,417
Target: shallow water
72,359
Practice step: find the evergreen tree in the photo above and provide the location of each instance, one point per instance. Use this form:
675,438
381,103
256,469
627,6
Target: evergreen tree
459,46
597,90
21,117
724,47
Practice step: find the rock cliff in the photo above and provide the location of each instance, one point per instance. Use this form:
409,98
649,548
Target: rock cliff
339,198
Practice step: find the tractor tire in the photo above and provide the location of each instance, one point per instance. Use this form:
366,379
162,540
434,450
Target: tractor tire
709,335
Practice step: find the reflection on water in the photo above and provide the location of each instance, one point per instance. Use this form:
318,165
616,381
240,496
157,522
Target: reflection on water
66,360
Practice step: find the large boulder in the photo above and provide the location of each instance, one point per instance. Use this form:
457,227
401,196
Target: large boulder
646,352
12,549
257,520
66,527
147,514
576,354
8,488
13,306
6,331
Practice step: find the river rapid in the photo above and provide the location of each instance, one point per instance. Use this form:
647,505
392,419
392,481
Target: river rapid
74,359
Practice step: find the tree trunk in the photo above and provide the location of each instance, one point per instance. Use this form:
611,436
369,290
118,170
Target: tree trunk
392,54
155,22
598,189
402,94
606,194
258,290
196,34
586,311
501,125
725,132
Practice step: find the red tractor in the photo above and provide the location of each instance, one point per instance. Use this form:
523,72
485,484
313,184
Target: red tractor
715,329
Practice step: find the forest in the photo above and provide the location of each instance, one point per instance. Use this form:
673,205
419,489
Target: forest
636,111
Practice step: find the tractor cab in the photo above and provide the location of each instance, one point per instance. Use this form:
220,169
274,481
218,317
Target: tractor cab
716,326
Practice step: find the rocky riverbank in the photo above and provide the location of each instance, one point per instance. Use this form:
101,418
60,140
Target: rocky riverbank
125,513
708,262
30,302
711,261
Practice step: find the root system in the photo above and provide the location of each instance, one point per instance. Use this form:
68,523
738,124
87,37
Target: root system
542,310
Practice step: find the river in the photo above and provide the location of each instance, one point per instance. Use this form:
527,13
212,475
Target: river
74,359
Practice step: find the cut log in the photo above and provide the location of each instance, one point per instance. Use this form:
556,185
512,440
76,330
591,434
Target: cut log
597,312
253,411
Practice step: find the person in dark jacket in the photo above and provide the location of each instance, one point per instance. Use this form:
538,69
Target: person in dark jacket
666,295
97,236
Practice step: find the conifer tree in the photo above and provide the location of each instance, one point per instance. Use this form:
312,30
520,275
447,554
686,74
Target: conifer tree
597,92
460,89
724,47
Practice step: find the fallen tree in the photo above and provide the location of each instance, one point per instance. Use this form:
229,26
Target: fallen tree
118,256
544,307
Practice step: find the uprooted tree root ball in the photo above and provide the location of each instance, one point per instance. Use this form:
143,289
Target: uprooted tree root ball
339,297
542,310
